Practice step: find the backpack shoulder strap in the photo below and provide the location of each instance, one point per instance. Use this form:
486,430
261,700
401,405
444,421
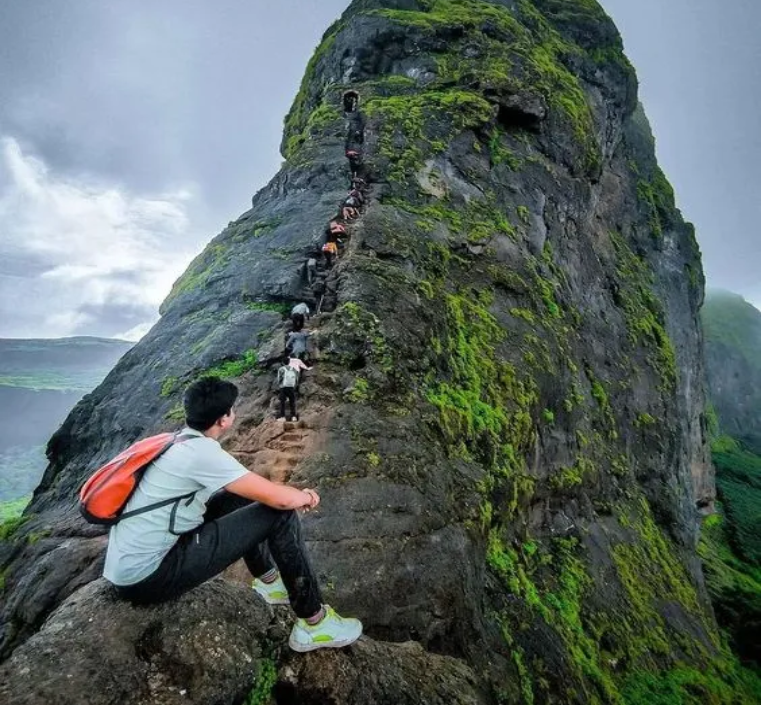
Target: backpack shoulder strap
178,438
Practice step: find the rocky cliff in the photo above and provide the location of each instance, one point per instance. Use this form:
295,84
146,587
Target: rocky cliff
505,417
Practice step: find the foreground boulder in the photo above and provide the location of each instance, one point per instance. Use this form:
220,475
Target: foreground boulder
95,649
378,673
218,644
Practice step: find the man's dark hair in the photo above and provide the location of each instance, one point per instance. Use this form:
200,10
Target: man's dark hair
207,400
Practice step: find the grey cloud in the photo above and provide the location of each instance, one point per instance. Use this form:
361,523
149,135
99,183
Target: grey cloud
22,265
156,95
152,96
114,319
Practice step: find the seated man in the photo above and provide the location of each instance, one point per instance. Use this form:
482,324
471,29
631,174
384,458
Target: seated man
231,514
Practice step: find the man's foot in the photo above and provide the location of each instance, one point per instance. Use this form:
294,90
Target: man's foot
331,632
273,593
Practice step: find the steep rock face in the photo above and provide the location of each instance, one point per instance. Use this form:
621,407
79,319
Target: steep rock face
506,414
733,366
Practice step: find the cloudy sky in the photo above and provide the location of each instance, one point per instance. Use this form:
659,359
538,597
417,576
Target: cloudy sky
132,131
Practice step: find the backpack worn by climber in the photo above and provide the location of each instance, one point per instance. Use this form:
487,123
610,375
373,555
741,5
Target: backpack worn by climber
287,377
105,494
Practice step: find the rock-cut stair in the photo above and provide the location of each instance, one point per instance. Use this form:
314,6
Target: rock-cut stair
274,448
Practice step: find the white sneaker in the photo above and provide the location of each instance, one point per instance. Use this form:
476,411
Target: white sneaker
332,631
273,593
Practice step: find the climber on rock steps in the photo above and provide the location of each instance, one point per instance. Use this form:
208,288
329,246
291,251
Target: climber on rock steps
355,159
335,228
299,313
330,252
296,343
350,208
287,383
311,268
208,512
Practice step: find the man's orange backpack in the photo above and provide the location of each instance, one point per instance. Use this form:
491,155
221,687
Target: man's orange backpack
105,494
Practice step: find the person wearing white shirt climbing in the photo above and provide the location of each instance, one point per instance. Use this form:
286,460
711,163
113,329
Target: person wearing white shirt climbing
224,513
287,383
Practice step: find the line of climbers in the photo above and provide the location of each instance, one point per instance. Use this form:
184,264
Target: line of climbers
320,262
182,509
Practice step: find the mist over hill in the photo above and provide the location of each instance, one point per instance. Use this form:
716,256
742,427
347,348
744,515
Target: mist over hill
40,382
731,545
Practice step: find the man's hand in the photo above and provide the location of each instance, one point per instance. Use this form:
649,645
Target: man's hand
314,499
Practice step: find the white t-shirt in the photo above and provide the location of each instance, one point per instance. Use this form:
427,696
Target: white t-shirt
137,545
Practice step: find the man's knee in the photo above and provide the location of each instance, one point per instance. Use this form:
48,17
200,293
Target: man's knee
286,517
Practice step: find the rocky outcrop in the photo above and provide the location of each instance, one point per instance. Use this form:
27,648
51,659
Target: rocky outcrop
506,410
204,648
374,672
214,645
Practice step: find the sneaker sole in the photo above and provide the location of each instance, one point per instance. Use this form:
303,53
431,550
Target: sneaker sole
338,644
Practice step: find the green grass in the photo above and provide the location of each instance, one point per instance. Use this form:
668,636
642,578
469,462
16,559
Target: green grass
12,510
738,481
10,526
266,677
233,368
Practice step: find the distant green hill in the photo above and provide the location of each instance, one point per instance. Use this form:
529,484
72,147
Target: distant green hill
732,329
71,364
40,382
731,544
731,547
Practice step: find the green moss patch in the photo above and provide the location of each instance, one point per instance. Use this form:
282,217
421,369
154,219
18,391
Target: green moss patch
414,127
515,53
643,312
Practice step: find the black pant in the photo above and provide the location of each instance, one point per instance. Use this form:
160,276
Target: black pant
290,394
235,528
297,321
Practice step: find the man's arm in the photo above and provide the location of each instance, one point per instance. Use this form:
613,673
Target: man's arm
259,489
